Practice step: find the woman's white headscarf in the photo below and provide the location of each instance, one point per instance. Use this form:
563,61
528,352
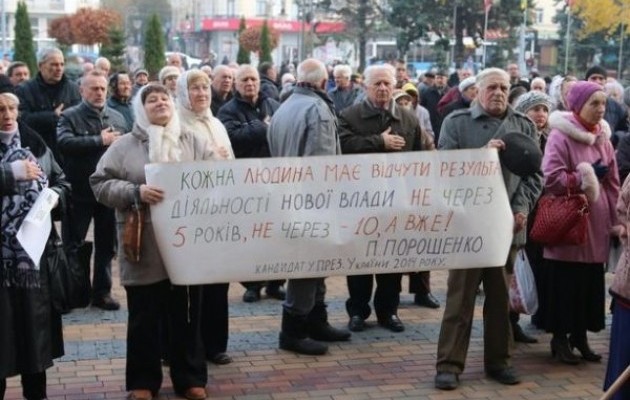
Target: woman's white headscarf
164,143
200,123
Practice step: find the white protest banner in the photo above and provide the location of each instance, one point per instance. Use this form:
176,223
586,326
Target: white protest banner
275,218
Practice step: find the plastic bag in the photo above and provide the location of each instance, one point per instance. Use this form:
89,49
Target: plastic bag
522,291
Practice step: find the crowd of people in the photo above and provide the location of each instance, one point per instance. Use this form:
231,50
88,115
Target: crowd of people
90,140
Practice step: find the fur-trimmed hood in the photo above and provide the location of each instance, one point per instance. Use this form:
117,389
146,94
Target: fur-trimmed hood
566,123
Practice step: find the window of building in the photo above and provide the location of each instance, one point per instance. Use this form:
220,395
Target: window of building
261,7
538,16
231,8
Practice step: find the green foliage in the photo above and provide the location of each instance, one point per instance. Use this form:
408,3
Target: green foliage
154,47
24,50
242,57
265,44
114,49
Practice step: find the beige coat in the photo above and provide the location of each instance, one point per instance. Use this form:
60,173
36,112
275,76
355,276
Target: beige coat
118,173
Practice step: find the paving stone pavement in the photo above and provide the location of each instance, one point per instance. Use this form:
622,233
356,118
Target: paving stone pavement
375,364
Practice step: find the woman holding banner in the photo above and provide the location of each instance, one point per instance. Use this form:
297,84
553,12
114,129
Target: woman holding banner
119,182
193,107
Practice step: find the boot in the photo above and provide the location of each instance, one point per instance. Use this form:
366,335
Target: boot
318,327
518,333
293,336
561,351
580,342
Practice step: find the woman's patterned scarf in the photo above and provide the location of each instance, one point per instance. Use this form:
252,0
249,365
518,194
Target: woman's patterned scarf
17,269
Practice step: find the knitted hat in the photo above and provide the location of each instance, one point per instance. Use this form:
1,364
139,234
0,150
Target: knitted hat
579,94
596,69
410,87
140,71
532,99
466,83
168,71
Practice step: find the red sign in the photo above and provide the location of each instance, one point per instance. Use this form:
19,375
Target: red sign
232,24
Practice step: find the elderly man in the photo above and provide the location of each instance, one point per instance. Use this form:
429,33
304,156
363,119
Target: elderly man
305,125
18,72
345,92
102,64
246,118
377,125
481,125
538,84
175,60
221,87
43,98
431,97
140,78
84,133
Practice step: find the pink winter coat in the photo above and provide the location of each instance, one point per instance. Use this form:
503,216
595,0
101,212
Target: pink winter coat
571,150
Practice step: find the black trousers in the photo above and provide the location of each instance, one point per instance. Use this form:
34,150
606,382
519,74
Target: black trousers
386,296
33,386
186,353
420,282
215,318
104,240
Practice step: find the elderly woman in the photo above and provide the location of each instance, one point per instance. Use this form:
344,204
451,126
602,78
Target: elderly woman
579,157
536,105
168,77
30,332
119,182
193,106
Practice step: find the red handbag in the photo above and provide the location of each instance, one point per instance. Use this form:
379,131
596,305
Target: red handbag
561,220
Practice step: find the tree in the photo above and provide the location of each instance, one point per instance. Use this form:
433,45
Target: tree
154,47
265,44
23,45
92,26
251,38
114,48
242,57
61,30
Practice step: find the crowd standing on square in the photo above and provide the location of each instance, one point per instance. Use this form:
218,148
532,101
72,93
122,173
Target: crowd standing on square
90,140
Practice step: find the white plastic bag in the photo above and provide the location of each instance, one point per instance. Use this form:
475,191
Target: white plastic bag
523,293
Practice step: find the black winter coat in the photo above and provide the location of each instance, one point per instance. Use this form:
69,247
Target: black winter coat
361,125
31,333
38,101
269,88
81,145
245,125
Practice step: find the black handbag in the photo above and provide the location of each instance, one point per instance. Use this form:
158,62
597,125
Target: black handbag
69,278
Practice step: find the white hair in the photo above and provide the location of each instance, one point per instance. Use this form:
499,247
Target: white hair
368,74
46,53
486,73
287,78
342,70
538,79
245,68
312,71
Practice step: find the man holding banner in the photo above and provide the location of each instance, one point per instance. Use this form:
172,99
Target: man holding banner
377,125
305,125
490,123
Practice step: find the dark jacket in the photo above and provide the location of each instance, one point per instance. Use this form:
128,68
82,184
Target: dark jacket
344,98
458,104
430,99
361,125
269,88
124,109
33,336
217,101
80,143
245,124
38,101
623,157
617,117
